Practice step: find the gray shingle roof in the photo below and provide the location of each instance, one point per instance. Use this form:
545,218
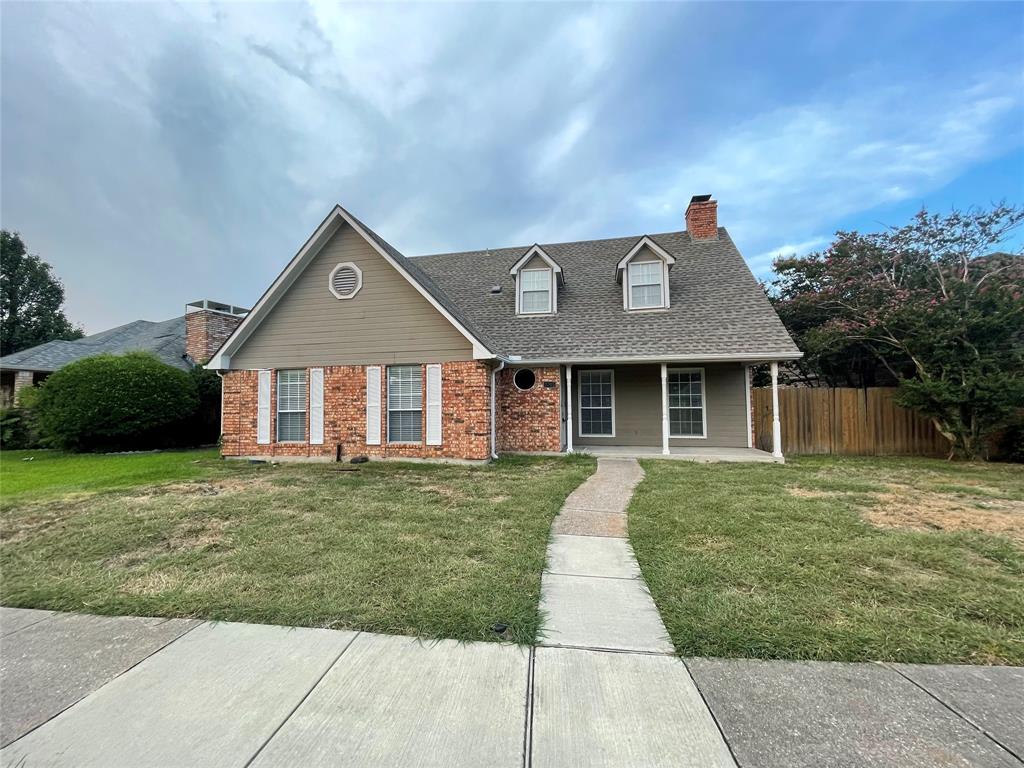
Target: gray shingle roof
165,339
717,307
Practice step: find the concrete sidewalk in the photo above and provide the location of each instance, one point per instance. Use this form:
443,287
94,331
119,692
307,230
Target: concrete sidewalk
80,690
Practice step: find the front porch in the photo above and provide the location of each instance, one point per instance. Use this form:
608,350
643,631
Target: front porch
699,455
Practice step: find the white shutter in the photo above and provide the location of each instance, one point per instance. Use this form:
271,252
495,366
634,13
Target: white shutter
433,405
316,406
263,409
373,405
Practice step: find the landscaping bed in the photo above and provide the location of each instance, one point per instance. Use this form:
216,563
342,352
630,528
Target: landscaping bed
426,549
843,559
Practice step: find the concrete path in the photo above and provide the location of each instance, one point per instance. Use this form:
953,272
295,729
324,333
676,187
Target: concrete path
592,594
154,692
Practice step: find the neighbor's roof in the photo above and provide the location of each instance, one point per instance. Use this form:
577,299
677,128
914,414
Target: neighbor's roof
717,310
165,339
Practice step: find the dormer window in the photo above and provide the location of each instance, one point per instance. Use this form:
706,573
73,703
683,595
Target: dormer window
643,273
537,279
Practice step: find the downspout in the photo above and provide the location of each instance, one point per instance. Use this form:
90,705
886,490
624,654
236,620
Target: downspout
494,430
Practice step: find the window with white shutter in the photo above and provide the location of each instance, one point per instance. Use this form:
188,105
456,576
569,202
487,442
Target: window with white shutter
316,406
405,404
291,406
433,405
373,405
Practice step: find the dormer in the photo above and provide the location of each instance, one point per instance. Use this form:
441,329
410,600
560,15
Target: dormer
537,279
643,275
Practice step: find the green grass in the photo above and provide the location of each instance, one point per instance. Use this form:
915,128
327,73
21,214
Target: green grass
774,561
424,549
40,474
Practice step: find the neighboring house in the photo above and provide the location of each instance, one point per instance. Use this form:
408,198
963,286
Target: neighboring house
641,342
182,342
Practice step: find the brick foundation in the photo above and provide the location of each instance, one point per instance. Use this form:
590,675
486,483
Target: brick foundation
465,416
531,420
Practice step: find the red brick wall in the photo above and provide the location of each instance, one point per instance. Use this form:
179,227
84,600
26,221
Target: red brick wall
465,415
702,220
531,420
205,331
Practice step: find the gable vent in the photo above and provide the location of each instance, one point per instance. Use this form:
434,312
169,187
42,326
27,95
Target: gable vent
345,280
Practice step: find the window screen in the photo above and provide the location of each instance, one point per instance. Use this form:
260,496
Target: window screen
685,404
596,403
405,404
291,406
645,284
535,290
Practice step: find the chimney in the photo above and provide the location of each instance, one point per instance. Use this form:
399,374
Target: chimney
702,218
208,325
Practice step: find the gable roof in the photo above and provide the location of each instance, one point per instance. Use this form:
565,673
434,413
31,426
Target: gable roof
718,312
420,280
165,339
536,250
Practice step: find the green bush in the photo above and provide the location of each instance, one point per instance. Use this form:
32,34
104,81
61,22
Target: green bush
15,429
117,402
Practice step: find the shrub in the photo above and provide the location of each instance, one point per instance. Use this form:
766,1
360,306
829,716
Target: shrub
116,402
15,430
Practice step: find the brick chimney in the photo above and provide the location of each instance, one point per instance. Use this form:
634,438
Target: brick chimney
208,325
702,218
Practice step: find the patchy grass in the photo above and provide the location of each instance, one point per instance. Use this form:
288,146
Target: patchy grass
844,559
423,549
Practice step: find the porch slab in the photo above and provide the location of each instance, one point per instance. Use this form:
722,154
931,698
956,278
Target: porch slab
593,612
596,710
592,556
700,455
399,701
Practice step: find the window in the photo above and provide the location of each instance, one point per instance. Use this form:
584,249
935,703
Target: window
524,379
534,291
686,402
597,404
405,404
291,406
645,284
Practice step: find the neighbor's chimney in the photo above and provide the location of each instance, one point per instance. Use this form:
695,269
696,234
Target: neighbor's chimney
702,218
208,325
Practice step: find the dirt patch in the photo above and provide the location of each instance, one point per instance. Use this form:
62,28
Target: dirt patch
201,488
807,493
907,507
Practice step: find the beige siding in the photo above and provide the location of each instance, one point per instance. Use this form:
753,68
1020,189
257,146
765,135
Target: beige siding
388,321
638,407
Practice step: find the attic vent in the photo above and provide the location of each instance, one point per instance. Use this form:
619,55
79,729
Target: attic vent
495,289
345,280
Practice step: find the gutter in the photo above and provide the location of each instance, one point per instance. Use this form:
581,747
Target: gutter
494,428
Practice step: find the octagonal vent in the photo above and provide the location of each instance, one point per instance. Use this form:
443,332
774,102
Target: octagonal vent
345,280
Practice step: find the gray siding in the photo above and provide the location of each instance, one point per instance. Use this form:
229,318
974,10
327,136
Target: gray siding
388,321
638,407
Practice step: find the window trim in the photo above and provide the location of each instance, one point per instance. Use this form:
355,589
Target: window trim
278,411
579,400
388,409
703,405
552,293
662,303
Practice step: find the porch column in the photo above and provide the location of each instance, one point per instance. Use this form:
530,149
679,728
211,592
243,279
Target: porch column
568,408
664,409
776,427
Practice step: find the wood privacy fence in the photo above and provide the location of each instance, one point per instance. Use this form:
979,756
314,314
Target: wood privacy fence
858,422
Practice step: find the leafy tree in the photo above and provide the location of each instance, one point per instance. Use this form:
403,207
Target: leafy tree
928,305
30,299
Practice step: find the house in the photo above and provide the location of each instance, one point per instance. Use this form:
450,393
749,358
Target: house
181,341
636,344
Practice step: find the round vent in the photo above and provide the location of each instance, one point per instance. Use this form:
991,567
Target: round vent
524,379
345,280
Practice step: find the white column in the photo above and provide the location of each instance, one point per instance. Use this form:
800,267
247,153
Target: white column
664,409
746,388
568,409
776,427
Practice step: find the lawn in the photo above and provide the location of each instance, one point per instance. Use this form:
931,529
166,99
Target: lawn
844,559
425,549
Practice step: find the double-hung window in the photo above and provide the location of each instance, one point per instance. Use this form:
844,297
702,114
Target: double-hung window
405,404
646,284
291,406
597,404
686,402
534,291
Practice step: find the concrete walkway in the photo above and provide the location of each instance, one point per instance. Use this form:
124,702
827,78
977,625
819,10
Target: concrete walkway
79,690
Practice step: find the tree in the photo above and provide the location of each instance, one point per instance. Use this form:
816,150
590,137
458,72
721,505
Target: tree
30,299
928,304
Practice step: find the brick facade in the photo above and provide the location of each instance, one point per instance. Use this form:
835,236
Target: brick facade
206,330
465,416
530,420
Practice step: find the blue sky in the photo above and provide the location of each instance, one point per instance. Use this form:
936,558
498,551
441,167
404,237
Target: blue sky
156,154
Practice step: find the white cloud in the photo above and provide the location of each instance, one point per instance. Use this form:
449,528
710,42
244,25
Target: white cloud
761,264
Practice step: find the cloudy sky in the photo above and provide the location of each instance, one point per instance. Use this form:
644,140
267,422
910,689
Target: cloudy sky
157,154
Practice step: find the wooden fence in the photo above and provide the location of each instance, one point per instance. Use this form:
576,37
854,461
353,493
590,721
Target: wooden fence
858,422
